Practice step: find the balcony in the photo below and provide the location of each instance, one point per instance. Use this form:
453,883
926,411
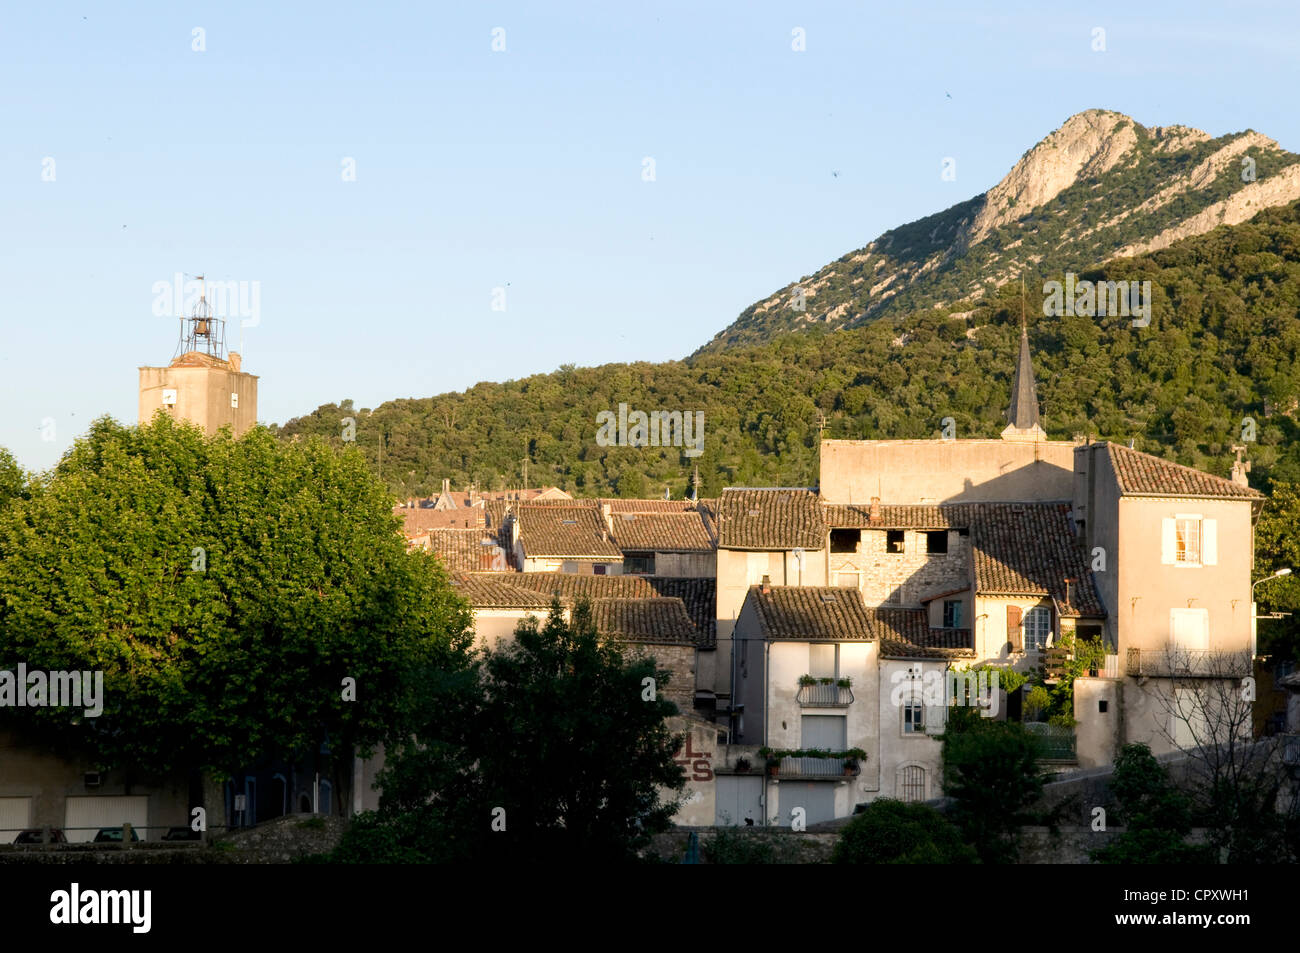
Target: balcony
1181,663
814,764
824,693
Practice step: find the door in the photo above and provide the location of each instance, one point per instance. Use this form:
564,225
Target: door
93,812
15,816
739,799
816,798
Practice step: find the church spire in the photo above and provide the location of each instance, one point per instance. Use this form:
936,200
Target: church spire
1023,412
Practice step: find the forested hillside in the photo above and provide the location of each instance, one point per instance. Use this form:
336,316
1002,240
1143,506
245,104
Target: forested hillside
1223,345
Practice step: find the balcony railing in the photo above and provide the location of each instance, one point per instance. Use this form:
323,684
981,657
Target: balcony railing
815,768
823,695
1179,663
1058,743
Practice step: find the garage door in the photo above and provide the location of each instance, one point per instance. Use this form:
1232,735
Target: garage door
15,816
738,798
816,799
92,813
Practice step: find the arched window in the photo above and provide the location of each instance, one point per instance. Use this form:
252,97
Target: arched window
912,783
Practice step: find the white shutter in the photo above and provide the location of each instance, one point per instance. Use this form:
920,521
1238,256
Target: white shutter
1209,542
936,719
1168,541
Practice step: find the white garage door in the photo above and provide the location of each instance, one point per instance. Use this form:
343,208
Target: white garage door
738,798
15,816
816,799
97,812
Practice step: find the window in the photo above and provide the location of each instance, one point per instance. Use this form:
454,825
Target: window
848,580
1188,540
1189,632
913,718
598,569
1037,628
823,731
936,541
642,563
952,613
893,541
845,540
823,659
1187,535
912,786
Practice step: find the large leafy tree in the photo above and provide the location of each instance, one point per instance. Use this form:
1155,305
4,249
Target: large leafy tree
226,589
1157,817
990,769
553,748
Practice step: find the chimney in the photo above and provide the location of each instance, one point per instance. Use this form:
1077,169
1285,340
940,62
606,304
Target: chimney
446,487
875,516
767,584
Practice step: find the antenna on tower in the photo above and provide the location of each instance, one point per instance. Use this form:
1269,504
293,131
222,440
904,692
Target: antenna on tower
202,331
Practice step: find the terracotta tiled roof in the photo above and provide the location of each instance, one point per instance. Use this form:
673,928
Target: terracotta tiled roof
1030,549
698,594
417,521
664,532
648,506
1141,474
815,613
937,516
770,519
644,620
907,634
464,550
811,613
553,529
494,591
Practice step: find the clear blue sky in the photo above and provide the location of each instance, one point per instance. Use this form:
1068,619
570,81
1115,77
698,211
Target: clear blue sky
476,168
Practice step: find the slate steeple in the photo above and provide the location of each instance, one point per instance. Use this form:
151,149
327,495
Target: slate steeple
1022,415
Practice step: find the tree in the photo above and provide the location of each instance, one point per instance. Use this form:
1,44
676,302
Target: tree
552,748
892,832
1156,815
990,768
226,589
13,481
1238,785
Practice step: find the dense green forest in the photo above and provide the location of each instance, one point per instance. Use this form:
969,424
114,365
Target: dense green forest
1223,345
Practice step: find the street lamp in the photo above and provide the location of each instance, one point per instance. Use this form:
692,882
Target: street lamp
1254,610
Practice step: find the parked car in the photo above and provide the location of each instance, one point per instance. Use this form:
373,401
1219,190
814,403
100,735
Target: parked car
182,833
37,837
113,835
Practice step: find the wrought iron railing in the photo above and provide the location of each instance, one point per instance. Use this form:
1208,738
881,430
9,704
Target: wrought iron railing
825,696
817,768
1058,743
1175,663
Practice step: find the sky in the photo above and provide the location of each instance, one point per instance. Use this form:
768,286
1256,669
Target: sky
429,195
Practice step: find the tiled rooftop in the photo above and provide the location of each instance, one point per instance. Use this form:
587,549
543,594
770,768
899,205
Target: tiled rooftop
771,519
1141,474
557,530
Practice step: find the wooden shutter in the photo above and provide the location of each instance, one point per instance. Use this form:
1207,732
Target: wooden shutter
1014,632
1168,542
1209,542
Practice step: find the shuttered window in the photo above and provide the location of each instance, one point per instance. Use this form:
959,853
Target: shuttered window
1014,633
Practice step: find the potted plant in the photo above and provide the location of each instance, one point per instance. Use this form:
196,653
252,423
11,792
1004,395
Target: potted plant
742,766
806,680
844,682
773,762
825,681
